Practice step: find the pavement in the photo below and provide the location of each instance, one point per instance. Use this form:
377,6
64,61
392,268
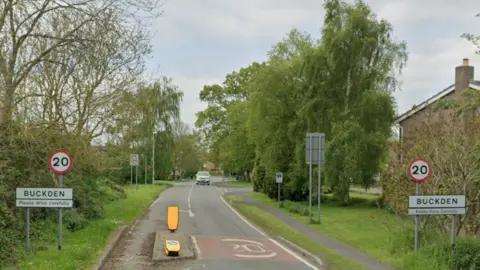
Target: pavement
223,239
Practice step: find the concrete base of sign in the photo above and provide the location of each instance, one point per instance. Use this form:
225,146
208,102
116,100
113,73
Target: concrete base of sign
186,242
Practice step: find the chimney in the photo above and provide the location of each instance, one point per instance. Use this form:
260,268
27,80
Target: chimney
463,75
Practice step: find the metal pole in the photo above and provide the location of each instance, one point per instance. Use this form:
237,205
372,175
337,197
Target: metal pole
60,217
27,224
278,192
153,159
136,176
319,191
417,221
146,165
310,184
131,176
453,233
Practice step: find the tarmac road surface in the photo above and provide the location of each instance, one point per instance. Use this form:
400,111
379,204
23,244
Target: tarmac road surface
223,238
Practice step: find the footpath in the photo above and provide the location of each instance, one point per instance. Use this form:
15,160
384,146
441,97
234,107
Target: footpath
324,240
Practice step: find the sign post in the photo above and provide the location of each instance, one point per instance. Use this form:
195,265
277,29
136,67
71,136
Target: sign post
43,198
418,171
134,161
279,181
60,163
315,153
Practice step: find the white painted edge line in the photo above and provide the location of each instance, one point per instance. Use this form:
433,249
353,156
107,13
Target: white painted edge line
196,247
190,212
273,241
155,202
133,227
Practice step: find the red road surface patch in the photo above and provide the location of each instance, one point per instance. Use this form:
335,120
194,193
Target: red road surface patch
235,248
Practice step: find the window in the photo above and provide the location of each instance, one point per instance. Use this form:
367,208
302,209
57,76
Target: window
203,174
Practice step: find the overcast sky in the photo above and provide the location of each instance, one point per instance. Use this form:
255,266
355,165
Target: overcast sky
198,42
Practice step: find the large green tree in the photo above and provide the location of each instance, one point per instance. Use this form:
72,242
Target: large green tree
340,84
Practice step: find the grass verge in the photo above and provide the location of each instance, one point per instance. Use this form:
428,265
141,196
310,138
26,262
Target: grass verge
360,225
274,227
82,248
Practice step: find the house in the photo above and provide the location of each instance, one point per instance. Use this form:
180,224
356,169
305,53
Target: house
464,79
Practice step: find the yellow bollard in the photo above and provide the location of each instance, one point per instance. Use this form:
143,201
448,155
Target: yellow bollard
173,218
172,248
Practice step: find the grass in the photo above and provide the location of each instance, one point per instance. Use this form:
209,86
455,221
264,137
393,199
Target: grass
82,248
275,227
236,183
361,225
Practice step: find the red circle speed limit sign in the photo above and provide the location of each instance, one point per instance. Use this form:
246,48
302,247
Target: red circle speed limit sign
419,170
60,162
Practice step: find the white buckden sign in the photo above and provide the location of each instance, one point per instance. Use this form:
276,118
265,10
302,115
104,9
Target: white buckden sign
436,205
44,197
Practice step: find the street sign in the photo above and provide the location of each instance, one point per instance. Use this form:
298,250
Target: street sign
44,197
429,205
60,162
419,170
279,177
436,212
314,153
134,160
315,148
437,201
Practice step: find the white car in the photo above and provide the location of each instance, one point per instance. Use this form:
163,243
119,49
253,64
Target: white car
203,177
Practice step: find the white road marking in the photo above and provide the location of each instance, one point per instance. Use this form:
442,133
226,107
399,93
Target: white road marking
133,227
196,247
190,213
273,241
257,248
155,202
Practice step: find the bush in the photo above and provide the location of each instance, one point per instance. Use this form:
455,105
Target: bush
465,254
74,220
435,251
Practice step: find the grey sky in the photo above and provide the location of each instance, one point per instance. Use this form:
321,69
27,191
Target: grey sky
199,42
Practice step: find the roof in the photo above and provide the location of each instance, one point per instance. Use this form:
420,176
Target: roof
445,92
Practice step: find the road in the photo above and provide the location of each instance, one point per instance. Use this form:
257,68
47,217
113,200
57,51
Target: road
224,239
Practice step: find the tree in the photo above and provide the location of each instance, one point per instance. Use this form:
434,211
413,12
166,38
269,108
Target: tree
340,85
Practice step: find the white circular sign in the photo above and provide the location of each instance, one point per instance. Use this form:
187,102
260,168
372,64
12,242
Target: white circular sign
60,162
419,170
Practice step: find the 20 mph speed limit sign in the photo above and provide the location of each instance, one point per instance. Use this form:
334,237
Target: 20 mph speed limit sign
419,170
60,162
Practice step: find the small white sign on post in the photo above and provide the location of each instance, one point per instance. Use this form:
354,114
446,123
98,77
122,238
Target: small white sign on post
134,160
279,177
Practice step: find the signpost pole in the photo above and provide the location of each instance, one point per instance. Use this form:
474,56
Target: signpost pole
417,219
136,177
146,165
453,233
131,176
310,183
278,192
27,224
153,158
319,189
60,216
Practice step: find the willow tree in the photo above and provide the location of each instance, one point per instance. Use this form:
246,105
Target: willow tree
356,62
